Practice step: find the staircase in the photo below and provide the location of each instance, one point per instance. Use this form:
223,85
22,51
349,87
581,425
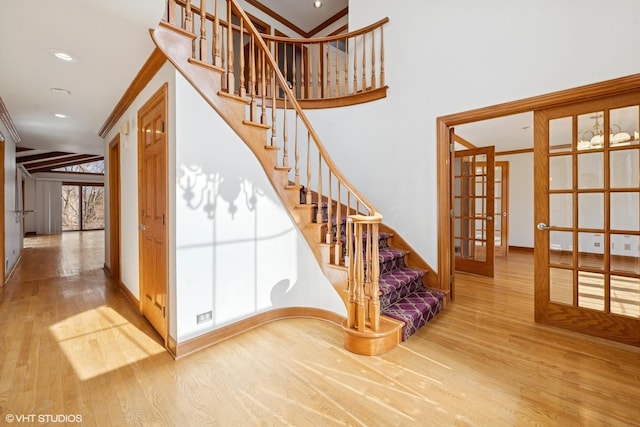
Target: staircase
403,295
386,300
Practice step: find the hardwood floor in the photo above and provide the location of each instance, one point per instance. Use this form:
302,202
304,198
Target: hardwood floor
72,346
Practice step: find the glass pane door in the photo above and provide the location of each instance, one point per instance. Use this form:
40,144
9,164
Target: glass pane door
473,213
587,193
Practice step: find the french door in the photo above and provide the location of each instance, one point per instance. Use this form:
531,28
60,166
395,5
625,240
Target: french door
587,215
473,210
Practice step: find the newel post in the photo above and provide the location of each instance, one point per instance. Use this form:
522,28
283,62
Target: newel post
363,266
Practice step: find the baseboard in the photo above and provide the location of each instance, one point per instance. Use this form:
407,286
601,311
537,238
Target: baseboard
172,347
180,350
129,297
520,249
106,269
8,275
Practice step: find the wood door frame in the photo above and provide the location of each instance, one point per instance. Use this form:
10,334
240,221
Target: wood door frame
445,127
3,271
504,204
160,94
114,209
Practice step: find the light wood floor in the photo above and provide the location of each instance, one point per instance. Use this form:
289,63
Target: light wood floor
71,345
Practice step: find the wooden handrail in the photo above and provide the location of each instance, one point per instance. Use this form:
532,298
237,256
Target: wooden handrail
289,94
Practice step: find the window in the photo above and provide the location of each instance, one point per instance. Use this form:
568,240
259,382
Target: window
82,207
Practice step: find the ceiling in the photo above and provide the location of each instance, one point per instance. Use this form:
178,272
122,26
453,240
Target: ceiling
107,61
35,85
303,14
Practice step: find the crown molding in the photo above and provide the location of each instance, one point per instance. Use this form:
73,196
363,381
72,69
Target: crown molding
344,12
155,61
304,34
5,117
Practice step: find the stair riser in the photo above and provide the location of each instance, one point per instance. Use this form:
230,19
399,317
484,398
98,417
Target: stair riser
419,309
386,300
390,265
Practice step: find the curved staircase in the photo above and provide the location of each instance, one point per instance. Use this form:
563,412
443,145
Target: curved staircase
386,300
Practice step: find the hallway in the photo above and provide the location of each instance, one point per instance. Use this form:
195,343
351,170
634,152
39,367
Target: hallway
72,346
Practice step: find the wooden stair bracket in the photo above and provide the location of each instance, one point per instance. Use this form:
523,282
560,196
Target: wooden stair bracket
373,343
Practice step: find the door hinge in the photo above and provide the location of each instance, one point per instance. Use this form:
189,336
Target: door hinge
162,219
163,127
451,280
452,213
452,147
164,312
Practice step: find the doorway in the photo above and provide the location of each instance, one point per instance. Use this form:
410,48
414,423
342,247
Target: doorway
603,94
114,208
152,201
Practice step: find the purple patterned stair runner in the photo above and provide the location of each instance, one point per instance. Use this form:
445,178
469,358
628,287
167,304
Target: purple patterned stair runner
402,294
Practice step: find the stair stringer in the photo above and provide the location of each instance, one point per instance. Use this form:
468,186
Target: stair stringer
176,44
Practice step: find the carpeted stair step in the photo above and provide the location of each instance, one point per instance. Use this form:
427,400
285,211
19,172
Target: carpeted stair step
416,309
391,259
397,284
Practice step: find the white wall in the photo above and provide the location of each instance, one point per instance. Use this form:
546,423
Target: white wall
12,222
521,224
238,252
242,257
447,57
29,204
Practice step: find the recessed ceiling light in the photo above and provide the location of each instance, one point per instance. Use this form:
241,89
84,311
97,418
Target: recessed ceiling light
61,116
60,90
63,55
317,4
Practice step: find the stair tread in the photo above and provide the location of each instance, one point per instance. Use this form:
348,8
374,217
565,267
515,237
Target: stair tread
388,254
416,309
400,277
397,284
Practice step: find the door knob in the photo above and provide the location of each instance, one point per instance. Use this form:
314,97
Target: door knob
542,226
142,227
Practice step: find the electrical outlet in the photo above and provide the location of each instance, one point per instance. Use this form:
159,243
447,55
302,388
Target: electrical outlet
627,246
204,317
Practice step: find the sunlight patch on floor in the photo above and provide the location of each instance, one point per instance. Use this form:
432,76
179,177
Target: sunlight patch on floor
88,339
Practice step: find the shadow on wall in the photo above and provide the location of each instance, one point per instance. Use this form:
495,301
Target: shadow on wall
237,247
202,190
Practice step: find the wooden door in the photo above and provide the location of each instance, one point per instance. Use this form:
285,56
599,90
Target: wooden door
114,208
152,198
473,210
587,211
